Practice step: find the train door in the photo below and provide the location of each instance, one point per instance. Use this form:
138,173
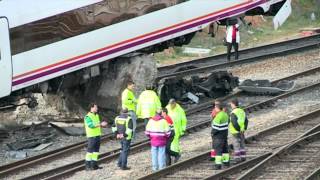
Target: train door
5,59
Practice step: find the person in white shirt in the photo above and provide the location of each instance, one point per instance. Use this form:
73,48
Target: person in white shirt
233,40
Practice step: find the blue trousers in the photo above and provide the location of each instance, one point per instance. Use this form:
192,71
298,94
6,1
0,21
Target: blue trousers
125,147
158,157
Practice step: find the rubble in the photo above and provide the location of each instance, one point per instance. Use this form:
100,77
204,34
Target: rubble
70,131
265,87
184,89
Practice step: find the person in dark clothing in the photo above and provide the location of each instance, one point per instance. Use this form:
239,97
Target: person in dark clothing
169,153
219,133
124,131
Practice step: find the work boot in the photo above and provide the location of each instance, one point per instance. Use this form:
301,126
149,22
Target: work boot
94,165
88,165
168,160
217,167
176,158
226,164
125,168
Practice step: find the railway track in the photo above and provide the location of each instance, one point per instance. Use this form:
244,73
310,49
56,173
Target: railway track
204,114
296,160
109,155
259,146
247,56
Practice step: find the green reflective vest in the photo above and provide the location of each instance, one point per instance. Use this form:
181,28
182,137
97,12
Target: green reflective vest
93,131
220,121
179,119
241,117
128,100
122,126
148,103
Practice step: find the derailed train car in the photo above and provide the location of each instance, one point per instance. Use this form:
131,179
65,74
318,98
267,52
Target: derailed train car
41,41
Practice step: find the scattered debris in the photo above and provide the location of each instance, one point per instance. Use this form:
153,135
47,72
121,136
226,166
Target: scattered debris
16,154
309,31
30,142
41,146
70,131
184,89
189,50
3,135
265,86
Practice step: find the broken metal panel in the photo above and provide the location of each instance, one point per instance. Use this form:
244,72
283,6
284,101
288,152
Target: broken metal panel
70,131
214,85
265,87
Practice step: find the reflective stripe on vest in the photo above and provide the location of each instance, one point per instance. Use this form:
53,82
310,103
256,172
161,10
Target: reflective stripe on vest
96,131
220,121
124,122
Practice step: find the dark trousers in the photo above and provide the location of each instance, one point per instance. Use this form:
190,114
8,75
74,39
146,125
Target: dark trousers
220,145
125,147
93,144
145,120
235,46
170,153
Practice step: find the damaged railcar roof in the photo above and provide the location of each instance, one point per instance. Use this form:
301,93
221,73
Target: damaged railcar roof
21,12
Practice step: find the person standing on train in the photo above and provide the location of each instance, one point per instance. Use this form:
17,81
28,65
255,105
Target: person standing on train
129,102
148,103
124,130
237,127
232,39
179,118
158,131
219,134
93,132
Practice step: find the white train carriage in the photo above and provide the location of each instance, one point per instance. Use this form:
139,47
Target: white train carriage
34,64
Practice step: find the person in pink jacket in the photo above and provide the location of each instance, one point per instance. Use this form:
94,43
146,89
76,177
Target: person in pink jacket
158,131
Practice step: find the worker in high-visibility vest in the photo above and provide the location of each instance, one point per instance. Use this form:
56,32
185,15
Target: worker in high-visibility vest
93,132
128,101
237,127
219,133
148,104
123,130
179,119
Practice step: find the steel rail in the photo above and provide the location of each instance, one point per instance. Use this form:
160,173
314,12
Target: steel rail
315,175
54,154
243,52
237,93
145,143
104,157
277,128
246,165
25,163
9,168
257,58
256,169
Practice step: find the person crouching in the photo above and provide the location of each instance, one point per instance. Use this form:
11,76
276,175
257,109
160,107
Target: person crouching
158,131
